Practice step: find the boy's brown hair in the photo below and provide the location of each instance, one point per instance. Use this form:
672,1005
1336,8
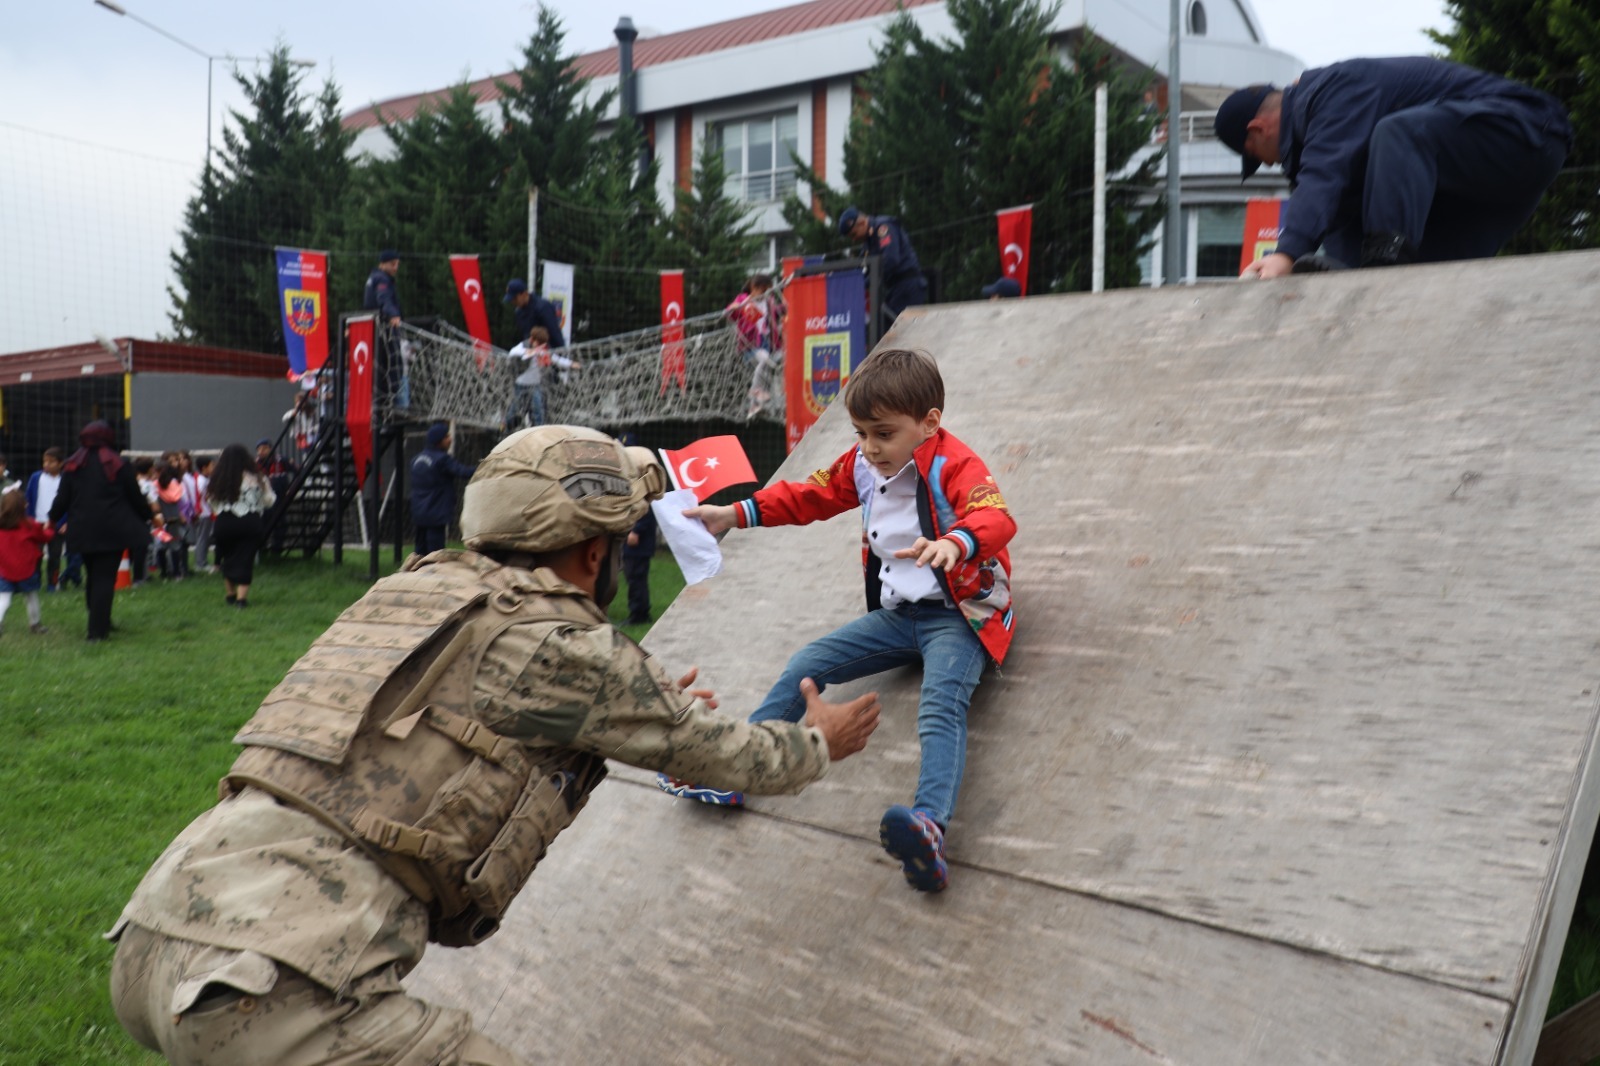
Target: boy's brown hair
538,335
53,453
13,506
894,381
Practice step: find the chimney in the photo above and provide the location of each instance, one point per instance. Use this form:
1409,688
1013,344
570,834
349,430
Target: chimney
627,93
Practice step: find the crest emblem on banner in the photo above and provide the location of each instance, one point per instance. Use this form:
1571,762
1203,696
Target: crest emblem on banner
825,369
302,310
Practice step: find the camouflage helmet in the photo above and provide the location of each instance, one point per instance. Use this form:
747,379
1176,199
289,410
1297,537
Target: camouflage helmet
545,488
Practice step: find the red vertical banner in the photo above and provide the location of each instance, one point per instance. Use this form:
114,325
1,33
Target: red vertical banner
359,338
807,298
674,368
1016,243
469,287
788,265
1261,229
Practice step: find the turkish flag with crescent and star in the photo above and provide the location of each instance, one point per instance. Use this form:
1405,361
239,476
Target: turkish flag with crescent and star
1016,239
709,465
469,286
359,338
673,365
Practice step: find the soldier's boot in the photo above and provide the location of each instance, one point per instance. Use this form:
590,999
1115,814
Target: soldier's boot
1386,249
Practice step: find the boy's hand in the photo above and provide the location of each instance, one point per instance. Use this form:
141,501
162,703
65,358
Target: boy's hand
716,519
845,726
704,694
941,554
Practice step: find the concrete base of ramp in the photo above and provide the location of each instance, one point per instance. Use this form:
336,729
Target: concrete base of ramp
1292,758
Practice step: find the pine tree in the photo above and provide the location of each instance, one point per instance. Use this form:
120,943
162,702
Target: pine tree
711,236
278,179
435,196
948,132
1552,45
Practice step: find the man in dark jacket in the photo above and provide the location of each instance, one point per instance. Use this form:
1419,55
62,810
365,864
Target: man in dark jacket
382,295
433,489
901,273
533,311
105,515
1397,160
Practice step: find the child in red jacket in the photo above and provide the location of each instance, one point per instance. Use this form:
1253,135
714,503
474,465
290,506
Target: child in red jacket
21,547
934,533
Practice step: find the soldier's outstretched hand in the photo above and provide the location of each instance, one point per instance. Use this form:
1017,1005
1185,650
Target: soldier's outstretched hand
706,695
845,726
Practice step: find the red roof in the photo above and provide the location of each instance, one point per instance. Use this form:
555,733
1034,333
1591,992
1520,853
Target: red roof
91,359
649,51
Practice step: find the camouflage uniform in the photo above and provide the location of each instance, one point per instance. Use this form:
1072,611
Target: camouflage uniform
276,929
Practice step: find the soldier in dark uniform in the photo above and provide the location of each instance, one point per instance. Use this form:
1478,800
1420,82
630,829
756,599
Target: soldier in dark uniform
1397,160
533,311
383,296
902,280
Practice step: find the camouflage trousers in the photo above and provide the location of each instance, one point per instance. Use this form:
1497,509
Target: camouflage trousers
205,1006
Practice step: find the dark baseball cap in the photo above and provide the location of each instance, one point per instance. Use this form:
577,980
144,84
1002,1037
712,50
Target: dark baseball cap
515,287
847,219
388,254
1233,119
1005,288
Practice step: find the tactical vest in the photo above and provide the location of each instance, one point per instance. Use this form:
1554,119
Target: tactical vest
372,732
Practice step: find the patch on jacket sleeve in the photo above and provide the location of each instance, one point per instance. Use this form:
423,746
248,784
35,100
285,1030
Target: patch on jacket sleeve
985,494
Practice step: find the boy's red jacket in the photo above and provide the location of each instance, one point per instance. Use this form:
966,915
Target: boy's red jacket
959,501
19,550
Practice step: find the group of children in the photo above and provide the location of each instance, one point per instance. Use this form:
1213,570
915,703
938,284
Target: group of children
935,530
32,555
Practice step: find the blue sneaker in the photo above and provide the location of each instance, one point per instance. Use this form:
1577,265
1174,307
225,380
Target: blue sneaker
913,837
684,790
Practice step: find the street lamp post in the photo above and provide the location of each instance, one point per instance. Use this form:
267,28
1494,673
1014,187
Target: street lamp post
118,9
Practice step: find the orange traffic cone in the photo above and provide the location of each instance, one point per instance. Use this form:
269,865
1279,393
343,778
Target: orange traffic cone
124,573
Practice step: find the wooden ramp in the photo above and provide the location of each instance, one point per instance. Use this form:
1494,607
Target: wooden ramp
1292,758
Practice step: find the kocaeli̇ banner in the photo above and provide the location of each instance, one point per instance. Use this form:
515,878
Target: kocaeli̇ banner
1261,229
825,335
360,340
303,298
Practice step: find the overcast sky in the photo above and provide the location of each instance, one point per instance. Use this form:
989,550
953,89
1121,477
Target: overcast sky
77,80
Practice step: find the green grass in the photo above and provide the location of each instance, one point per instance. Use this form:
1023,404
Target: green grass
110,749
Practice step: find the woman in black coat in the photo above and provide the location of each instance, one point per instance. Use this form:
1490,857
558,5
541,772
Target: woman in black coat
105,515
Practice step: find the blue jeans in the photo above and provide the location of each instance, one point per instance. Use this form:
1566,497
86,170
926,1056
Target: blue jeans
952,659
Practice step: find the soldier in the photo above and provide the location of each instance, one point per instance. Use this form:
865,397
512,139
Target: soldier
407,775
1395,161
903,283
382,295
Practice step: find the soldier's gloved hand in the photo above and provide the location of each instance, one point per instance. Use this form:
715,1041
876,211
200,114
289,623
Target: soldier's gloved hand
845,726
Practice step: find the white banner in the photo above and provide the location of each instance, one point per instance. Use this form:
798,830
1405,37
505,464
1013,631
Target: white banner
558,290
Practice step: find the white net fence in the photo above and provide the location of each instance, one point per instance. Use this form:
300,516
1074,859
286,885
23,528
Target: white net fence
626,380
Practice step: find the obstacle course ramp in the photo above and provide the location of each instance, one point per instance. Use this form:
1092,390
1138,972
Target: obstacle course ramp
1291,761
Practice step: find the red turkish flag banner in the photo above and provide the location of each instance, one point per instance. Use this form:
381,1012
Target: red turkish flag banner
469,286
359,342
709,465
673,365
1016,243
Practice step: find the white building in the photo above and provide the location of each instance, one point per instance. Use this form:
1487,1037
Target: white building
776,86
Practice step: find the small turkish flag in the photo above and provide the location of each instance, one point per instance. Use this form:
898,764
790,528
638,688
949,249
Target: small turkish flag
709,465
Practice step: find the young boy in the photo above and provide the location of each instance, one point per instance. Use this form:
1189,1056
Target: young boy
42,487
935,529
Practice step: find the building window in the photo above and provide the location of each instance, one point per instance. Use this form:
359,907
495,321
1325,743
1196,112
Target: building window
758,155
1219,241
1197,19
